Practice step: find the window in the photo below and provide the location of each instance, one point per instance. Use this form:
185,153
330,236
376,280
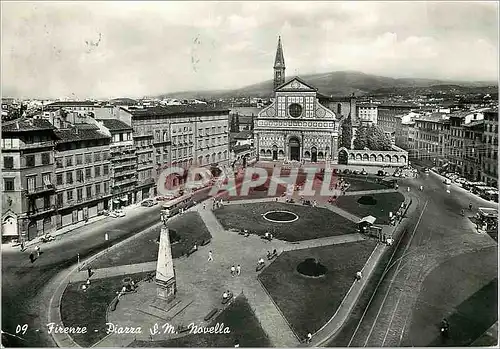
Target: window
88,158
79,159
69,177
69,161
79,194
98,189
46,179
79,176
30,160
46,202
59,199
88,173
69,195
158,159
8,184
59,163
8,162
97,156
59,179
106,170
31,183
106,187
88,188
97,172
45,158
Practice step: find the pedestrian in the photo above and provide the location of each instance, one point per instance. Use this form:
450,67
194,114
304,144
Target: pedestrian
309,337
470,206
233,270
22,245
38,251
89,270
408,189
204,206
421,187
358,275
238,270
32,257
210,256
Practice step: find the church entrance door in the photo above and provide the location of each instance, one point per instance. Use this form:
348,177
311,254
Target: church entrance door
314,154
294,149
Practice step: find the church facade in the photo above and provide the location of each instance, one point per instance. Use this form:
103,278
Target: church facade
296,126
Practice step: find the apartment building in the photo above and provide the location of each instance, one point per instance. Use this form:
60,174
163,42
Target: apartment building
123,163
368,112
489,159
472,150
82,158
27,179
432,138
177,135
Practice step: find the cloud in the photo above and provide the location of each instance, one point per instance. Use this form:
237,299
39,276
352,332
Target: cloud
149,48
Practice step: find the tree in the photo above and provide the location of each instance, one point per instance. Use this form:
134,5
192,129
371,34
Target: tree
346,135
377,139
361,139
237,122
251,124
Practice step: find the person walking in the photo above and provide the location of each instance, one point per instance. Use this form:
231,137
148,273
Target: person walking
470,206
408,189
89,271
238,270
32,257
233,270
210,256
38,251
22,246
204,206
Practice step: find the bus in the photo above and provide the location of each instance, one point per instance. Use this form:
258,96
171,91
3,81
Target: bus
172,207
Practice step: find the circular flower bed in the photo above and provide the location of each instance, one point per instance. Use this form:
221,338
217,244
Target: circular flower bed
367,200
280,216
311,267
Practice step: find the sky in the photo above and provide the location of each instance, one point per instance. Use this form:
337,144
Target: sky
135,49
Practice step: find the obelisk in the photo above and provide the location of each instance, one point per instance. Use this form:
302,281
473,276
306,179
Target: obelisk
165,274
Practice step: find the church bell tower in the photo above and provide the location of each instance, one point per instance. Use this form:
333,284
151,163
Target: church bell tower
279,66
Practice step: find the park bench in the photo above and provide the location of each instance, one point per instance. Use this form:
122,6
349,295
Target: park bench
211,314
260,267
205,242
272,256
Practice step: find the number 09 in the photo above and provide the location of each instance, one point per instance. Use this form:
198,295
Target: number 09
22,328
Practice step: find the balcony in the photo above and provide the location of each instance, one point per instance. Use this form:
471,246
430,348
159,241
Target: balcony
36,145
125,173
41,211
124,181
41,190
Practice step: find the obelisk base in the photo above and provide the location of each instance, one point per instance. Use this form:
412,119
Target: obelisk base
166,290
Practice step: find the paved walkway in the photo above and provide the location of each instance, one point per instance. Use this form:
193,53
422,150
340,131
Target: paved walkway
103,273
365,192
326,241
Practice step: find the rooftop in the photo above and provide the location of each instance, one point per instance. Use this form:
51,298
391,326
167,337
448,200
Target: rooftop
474,123
240,148
245,134
175,110
22,125
76,134
73,103
115,125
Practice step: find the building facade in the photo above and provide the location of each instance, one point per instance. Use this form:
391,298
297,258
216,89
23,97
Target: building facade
433,138
123,163
489,159
367,112
82,158
28,206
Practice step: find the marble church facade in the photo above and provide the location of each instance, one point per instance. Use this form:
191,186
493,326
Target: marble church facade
295,126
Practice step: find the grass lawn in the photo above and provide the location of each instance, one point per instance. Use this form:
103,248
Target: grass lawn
239,317
308,303
386,202
463,289
144,248
360,184
79,308
312,223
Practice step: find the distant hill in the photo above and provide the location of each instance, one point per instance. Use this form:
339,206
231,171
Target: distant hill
340,83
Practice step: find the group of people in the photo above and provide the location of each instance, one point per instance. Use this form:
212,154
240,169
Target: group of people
272,255
235,271
217,203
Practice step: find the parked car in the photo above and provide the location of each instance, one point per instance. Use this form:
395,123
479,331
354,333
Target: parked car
117,213
149,203
336,171
381,173
364,173
356,172
347,171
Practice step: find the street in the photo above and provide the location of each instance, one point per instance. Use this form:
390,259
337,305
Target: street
22,281
435,234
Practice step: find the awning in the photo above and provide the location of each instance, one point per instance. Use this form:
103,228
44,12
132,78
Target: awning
368,219
116,201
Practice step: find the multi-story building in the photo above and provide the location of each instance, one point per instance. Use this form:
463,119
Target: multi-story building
177,135
28,179
473,143
82,173
489,159
367,112
432,138
123,162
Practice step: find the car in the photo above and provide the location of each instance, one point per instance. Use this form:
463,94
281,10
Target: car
364,173
356,172
149,203
347,171
381,173
426,170
117,213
